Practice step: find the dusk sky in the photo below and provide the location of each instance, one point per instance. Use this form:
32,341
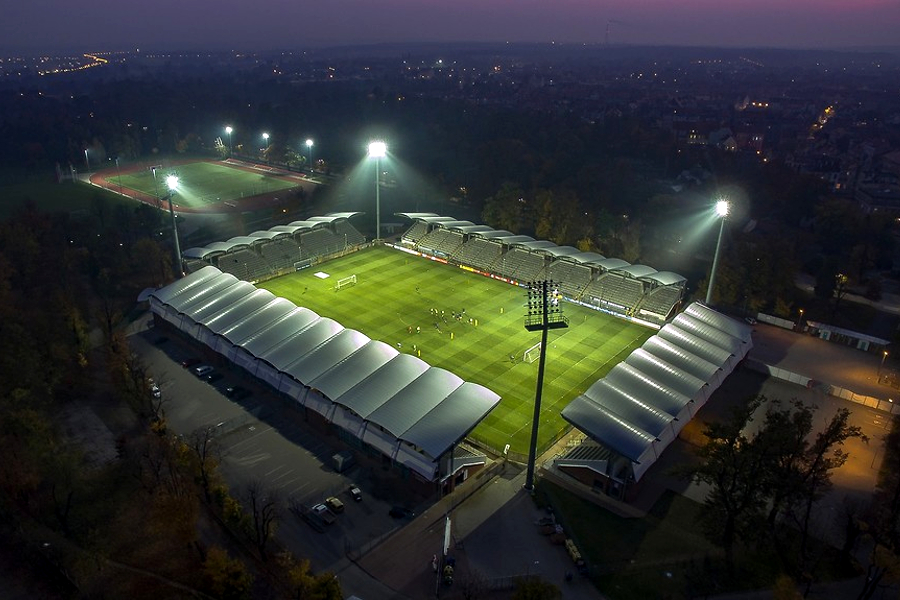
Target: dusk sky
98,25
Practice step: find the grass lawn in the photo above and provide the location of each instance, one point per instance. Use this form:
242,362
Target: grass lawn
397,291
203,183
55,197
652,557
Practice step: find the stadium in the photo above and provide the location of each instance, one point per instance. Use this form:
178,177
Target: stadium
412,350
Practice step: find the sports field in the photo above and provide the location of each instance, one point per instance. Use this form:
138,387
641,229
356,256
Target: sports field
204,183
394,301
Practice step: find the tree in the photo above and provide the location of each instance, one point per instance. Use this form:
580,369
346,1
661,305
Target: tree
305,585
262,506
206,455
535,588
227,577
734,466
505,209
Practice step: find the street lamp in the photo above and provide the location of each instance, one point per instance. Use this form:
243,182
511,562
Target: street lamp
228,130
309,145
884,354
722,208
800,320
377,150
87,165
172,184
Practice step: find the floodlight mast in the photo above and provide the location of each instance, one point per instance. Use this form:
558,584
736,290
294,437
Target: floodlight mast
228,130
544,313
309,147
172,184
722,209
377,150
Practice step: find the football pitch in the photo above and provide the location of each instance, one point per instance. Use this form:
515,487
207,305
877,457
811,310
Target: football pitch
203,183
395,300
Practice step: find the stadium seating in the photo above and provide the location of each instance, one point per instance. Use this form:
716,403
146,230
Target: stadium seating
244,264
660,302
280,254
320,242
571,277
520,264
343,229
415,233
615,292
441,241
478,253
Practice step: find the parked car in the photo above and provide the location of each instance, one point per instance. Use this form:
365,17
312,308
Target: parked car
323,513
203,370
190,362
334,504
399,512
355,493
236,392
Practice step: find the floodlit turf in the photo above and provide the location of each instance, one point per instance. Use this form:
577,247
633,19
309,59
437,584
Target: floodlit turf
203,183
397,291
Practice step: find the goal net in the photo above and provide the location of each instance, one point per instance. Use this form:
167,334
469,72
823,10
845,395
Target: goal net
532,354
345,282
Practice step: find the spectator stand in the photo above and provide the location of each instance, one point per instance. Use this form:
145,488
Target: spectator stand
665,291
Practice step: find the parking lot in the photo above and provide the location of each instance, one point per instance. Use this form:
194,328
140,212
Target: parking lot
261,439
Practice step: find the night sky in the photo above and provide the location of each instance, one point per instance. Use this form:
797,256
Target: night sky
99,25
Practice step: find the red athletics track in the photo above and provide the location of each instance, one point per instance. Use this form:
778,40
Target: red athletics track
107,180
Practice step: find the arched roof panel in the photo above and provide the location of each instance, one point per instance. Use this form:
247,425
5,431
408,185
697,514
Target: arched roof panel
379,387
452,420
355,368
414,400
635,271
666,278
612,263
607,428
325,356
732,327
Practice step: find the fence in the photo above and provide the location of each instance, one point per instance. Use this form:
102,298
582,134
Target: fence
832,390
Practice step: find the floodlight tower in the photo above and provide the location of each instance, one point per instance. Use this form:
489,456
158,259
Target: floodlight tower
172,184
228,130
722,208
266,138
377,150
544,314
309,146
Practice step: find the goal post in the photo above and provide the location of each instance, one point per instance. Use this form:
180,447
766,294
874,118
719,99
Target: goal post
345,282
532,354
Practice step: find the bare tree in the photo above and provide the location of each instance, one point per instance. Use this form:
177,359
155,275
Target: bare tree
206,451
262,504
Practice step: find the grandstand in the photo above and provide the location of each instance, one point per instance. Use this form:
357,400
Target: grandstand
609,284
264,254
639,408
414,414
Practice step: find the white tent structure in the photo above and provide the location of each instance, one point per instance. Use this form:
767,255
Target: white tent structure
396,403
643,403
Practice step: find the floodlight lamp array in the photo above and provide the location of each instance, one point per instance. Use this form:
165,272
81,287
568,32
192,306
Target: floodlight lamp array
544,309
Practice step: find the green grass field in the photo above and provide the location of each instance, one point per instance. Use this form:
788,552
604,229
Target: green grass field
203,183
396,291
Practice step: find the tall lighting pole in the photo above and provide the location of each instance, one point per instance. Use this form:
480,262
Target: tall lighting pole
266,138
377,150
309,145
722,207
228,130
172,184
544,314
87,164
